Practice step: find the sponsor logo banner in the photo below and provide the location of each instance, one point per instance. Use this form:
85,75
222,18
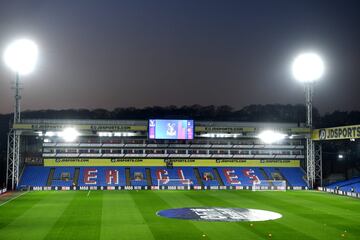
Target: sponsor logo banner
97,162
201,129
234,163
336,133
218,214
86,188
338,192
90,127
54,162
118,127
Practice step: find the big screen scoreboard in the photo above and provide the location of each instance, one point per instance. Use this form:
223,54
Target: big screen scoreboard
171,129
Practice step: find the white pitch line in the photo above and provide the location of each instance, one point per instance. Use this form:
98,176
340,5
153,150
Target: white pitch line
13,198
88,193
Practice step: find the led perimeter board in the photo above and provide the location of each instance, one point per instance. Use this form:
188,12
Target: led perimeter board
171,129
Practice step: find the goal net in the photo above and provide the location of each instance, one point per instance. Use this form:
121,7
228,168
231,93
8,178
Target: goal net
174,183
269,185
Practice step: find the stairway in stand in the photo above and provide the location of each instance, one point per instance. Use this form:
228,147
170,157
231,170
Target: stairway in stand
282,177
198,177
217,176
127,175
76,176
148,177
50,177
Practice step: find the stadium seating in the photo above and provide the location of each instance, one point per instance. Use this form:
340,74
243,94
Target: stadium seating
63,176
240,176
355,187
34,176
347,185
102,176
173,174
138,176
294,176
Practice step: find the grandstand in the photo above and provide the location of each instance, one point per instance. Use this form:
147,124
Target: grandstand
117,156
352,185
109,154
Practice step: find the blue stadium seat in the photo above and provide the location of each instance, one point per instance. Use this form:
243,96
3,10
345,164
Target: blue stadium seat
174,173
347,185
34,176
57,182
115,176
294,175
239,176
97,176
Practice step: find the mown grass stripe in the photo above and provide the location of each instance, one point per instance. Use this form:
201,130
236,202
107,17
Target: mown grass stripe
38,219
321,208
14,209
121,219
315,201
81,218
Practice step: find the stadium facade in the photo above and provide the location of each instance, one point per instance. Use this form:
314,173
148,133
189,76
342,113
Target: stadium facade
117,154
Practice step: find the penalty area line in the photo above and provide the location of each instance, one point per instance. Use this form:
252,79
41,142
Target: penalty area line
88,193
2,204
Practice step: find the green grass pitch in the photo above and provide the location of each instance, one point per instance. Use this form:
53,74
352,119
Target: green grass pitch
132,215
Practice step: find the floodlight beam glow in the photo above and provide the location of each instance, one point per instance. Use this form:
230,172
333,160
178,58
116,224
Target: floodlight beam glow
269,136
50,134
69,134
308,67
21,56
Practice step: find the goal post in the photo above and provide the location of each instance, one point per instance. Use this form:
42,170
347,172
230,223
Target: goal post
269,185
174,183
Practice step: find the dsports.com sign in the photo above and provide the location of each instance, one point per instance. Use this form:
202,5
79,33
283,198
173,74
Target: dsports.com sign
337,133
132,162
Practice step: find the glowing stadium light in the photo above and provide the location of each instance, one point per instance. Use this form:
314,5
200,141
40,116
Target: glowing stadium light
69,134
340,156
21,56
124,134
269,136
50,134
308,67
221,135
105,134
39,133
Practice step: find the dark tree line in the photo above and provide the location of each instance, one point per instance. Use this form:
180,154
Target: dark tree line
272,113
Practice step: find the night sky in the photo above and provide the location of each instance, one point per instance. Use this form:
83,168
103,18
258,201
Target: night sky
107,54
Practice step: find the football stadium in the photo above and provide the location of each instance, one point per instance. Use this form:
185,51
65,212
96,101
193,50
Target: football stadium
173,179
251,164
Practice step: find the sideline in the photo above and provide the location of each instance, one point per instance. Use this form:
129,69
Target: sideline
14,198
